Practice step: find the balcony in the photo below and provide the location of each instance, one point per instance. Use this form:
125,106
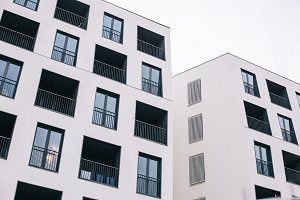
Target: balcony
110,64
151,123
259,125
6,131
265,193
31,4
57,93
148,185
100,162
151,43
18,31
292,167
72,12
264,167
278,94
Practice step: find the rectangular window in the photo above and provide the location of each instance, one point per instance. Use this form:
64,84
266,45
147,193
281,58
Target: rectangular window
250,83
194,92
9,76
298,97
197,169
263,159
195,125
149,175
47,146
287,129
112,28
151,79
31,4
65,48
106,109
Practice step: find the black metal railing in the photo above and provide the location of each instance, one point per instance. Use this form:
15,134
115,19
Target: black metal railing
289,136
292,176
151,87
16,38
45,158
264,167
55,102
105,118
109,71
279,100
150,49
4,146
7,87
150,132
98,172
112,34
63,55
259,125
27,3
148,185
251,89
71,18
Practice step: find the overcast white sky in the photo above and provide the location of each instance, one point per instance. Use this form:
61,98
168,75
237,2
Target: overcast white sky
265,32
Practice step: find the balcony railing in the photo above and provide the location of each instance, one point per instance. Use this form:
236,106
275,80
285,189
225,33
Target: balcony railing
292,176
105,118
7,87
112,34
4,146
55,102
71,18
289,136
109,71
45,158
63,55
279,100
151,87
150,49
264,167
251,89
148,185
150,132
259,125
27,3
16,38
98,172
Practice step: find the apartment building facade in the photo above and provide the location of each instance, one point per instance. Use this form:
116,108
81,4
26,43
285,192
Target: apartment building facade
85,102
236,132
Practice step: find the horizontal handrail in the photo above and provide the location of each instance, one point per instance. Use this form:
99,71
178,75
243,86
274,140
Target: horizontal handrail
4,137
111,66
153,83
98,163
46,150
105,118
111,29
151,125
109,71
71,13
292,175
281,97
18,32
57,95
150,49
71,18
257,120
151,44
148,177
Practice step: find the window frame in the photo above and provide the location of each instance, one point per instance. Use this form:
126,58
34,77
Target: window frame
254,85
150,68
111,28
269,158
26,2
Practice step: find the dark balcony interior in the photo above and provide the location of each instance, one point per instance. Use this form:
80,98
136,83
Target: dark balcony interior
151,43
151,123
110,64
57,92
73,12
100,162
292,167
257,118
6,131
262,193
278,94
85,198
18,30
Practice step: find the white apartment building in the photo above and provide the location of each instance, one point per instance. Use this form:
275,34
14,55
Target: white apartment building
85,102
236,132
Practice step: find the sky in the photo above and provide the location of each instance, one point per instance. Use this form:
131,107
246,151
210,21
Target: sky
264,32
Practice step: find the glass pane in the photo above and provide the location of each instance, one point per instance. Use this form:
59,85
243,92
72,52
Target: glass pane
2,67
40,137
264,155
117,25
99,101
155,75
107,21
142,166
13,72
60,40
153,165
298,98
72,44
244,76
281,122
250,79
257,153
287,124
54,142
111,104
145,72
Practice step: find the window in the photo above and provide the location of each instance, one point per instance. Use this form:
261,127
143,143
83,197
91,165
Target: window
112,28
46,149
31,4
106,109
298,97
195,125
250,84
151,79
197,169
149,175
287,129
65,48
263,159
194,92
9,76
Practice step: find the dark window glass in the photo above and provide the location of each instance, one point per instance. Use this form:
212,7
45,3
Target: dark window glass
151,80
31,4
250,84
263,159
112,28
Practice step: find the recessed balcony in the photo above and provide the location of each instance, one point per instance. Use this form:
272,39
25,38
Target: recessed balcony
6,131
278,94
292,167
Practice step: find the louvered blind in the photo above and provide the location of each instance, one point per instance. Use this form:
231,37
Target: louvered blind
197,171
194,92
195,125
